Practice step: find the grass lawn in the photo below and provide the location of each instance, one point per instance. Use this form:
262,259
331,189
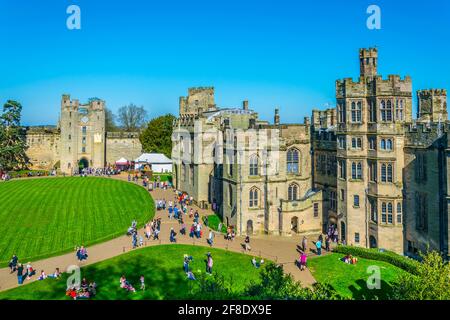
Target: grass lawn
350,280
162,267
49,216
213,223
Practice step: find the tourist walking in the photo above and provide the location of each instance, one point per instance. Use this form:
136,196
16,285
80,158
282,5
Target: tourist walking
327,243
142,280
173,235
304,244
19,273
209,263
247,243
13,263
319,247
210,239
303,259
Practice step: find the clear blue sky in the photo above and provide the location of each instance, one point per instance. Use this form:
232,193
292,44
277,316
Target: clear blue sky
273,53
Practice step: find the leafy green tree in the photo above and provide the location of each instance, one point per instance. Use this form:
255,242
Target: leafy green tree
157,137
431,282
12,138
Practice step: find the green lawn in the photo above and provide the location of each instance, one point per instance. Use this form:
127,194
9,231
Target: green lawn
213,223
48,216
162,267
350,280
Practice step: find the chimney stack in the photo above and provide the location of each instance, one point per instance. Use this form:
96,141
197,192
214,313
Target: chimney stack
276,118
245,105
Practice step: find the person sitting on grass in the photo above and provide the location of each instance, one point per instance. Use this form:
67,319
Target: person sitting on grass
42,276
29,271
55,275
190,275
349,259
124,284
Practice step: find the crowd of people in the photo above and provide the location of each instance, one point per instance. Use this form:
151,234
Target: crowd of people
85,290
97,172
81,253
27,272
5,176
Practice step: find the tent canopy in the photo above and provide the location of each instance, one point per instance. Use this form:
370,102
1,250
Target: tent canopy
155,158
122,161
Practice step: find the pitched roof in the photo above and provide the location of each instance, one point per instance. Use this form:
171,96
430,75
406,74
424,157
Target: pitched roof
153,158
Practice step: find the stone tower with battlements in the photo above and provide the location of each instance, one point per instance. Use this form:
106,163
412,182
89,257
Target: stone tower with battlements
82,134
432,105
200,99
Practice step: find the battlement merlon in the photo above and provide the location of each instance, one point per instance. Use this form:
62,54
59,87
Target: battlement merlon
66,102
196,90
393,85
368,62
431,92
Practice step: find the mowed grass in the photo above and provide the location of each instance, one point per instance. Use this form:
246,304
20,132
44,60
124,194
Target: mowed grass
351,280
48,216
162,267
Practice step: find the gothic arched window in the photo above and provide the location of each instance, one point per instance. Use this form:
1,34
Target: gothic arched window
293,192
292,158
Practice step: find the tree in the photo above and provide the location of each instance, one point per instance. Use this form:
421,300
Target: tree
157,137
110,120
430,282
12,138
132,117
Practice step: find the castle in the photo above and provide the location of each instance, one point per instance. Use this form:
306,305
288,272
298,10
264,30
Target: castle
366,167
80,139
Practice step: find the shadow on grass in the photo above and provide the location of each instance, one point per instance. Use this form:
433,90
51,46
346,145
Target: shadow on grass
364,293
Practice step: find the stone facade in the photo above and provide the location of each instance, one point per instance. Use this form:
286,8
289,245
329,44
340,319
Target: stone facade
223,156
80,138
366,166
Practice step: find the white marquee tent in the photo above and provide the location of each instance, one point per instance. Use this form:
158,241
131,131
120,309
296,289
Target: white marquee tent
157,161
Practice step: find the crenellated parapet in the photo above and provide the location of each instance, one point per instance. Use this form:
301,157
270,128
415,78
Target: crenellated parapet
424,134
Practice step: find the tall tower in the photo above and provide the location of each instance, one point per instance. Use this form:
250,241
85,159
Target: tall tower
432,105
370,139
200,98
368,61
82,134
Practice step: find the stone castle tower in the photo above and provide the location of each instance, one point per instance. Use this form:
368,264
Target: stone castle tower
82,134
198,100
432,105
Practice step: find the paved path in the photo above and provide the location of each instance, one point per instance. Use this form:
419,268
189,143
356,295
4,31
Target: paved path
283,250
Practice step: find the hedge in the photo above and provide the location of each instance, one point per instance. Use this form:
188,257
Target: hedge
27,173
393,258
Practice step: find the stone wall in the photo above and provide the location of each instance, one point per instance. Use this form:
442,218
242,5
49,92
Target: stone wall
122,145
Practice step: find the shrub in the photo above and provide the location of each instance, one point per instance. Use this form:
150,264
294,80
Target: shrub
393,258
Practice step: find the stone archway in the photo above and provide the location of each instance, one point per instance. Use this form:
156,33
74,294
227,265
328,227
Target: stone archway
294,224
373,242
249,227
83,163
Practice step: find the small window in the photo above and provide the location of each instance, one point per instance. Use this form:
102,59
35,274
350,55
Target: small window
357,237
316,210
342,194
356,201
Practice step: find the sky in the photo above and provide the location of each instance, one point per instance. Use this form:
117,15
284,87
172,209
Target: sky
284,54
